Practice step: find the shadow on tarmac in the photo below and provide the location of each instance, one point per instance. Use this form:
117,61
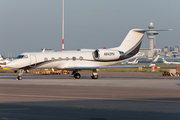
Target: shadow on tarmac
74,110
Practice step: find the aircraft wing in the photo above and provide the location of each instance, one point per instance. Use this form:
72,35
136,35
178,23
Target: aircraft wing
153,63
104,67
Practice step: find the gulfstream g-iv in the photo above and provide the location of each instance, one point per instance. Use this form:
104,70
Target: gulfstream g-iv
81,60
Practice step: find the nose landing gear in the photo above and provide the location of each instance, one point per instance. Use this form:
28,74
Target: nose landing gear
19,78
20,74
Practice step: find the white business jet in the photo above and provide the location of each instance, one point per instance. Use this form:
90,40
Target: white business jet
81,60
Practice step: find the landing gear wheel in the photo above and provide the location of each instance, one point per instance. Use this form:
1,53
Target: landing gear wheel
19,78
94,77
77,76
20,74
26,71
94,74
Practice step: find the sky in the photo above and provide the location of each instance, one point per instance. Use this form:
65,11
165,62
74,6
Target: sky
31,25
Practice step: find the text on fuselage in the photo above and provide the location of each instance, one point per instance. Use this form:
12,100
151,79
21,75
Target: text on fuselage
109,54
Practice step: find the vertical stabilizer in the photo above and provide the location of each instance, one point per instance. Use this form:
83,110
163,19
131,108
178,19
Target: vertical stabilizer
132,42
164,61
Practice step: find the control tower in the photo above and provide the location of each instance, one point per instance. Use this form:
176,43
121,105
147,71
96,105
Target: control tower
151,35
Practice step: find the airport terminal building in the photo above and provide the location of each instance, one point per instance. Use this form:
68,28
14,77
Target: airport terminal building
166,52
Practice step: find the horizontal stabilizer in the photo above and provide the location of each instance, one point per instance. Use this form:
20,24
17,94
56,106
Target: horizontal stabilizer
145,30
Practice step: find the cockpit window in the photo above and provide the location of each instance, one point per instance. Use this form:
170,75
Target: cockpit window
21,56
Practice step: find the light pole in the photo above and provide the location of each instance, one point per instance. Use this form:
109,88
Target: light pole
63,25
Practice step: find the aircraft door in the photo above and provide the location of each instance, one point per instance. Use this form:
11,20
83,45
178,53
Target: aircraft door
33,60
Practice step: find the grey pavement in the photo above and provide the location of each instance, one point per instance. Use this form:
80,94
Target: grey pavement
129,96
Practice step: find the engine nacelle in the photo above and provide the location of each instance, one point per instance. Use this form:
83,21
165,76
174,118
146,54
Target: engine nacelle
106,54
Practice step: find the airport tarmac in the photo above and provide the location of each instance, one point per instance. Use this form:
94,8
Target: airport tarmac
114,96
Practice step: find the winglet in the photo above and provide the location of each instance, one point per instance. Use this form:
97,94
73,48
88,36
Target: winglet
153,63
43,50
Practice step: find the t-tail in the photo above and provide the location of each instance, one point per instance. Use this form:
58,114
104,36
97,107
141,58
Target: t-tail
133,40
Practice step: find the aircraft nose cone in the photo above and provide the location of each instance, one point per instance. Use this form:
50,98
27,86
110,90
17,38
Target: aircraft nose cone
11,65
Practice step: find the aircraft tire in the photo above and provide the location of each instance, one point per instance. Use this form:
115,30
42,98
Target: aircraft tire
77,76
19,78
94,77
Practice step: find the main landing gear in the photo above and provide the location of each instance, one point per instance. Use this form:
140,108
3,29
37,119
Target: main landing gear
76,75
94,74
20,74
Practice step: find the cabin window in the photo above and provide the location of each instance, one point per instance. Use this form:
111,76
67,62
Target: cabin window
59,58
45,59
52,58
73,58
67,58
80,58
